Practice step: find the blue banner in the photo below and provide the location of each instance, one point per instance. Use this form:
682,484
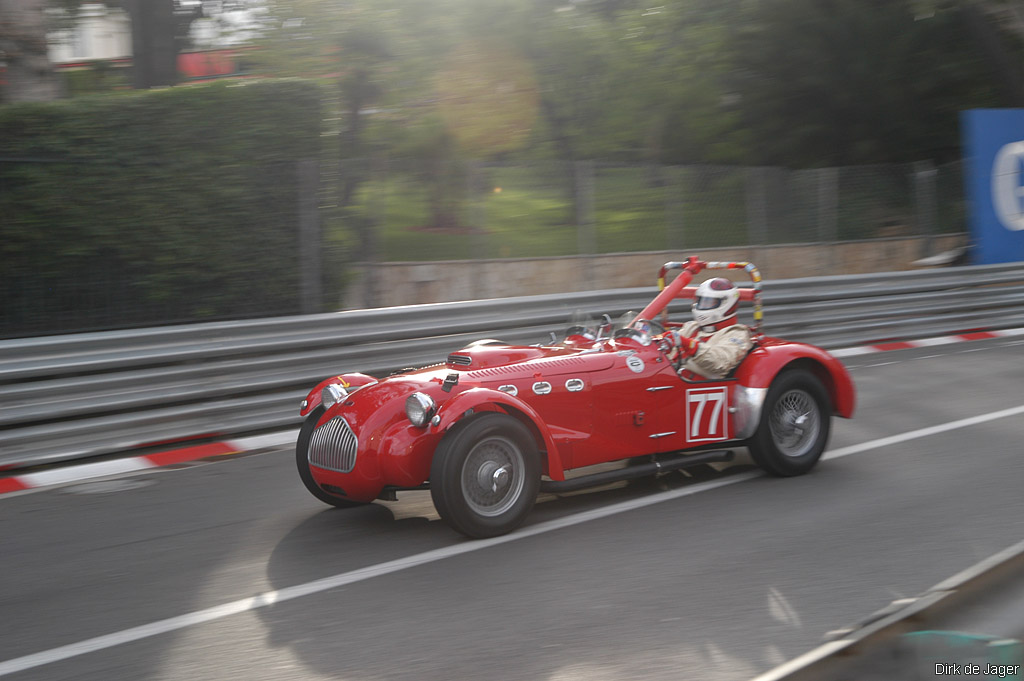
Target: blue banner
993,142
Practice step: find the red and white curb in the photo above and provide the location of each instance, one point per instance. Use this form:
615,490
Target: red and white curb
926,342
76,473
99,469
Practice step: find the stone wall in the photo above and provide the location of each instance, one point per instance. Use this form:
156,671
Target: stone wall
406,283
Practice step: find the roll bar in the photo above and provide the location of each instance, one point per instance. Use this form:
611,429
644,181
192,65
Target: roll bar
692,267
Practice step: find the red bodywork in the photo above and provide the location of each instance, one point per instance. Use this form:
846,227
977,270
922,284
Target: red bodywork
586,402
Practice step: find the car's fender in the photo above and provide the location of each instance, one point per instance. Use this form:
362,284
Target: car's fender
454,409
765,362
345,380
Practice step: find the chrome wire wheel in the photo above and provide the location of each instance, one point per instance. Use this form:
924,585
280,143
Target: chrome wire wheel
493,476
485,475
795,421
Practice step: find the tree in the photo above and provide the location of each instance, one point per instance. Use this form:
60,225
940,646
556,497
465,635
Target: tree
23,47
379,61
993,24
854,81
154,48
674,79
997,28
573,51
159,29
340,44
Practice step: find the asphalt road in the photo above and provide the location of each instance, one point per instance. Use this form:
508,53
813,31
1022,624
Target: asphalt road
208,572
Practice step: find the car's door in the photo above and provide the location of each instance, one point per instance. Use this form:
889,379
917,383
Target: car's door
637,406
705,410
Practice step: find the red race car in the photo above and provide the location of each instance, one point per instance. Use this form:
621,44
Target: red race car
498,423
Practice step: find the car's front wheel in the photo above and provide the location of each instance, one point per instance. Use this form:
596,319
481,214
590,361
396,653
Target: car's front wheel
485,475
794,427
302,463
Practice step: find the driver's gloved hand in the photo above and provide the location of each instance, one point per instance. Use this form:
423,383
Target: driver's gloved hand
688,346
677,346
669,344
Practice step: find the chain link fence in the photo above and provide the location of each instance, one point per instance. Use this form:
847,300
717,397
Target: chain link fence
101,245
415,212
87,247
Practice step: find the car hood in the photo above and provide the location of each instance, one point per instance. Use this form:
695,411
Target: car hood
501,362
487,354
488,366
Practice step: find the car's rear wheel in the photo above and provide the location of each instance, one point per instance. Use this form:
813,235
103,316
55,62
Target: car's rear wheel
485,475
794,427
302,463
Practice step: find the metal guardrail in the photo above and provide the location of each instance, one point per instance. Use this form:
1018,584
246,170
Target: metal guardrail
81,395
975,618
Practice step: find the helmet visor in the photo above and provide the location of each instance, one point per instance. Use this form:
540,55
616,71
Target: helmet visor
707,303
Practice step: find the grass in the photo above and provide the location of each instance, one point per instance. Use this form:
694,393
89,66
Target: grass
528,211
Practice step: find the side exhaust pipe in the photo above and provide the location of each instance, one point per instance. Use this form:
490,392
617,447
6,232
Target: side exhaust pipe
634,472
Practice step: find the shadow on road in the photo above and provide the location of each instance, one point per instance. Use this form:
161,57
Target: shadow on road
620,599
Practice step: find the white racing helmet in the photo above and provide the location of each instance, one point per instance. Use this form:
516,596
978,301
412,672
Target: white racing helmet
717,301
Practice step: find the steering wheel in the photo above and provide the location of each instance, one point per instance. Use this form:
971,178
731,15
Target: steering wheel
643,331
654,328
667,343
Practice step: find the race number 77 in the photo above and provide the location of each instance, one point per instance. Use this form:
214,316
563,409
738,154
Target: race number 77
705,414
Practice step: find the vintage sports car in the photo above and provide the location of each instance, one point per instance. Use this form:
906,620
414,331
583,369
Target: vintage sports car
497,423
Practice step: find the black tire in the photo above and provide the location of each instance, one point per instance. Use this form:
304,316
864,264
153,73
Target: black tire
469,489
302,463
794,427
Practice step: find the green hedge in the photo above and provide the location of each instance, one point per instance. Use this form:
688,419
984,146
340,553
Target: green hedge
152,207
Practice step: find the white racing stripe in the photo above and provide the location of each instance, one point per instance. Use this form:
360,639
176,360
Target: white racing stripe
345,578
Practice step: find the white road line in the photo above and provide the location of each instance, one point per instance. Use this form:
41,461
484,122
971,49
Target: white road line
923,432
270,597
345,578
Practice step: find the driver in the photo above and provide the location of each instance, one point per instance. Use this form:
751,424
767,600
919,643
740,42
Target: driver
713,343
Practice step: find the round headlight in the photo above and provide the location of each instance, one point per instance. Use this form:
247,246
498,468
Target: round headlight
419,408
331,395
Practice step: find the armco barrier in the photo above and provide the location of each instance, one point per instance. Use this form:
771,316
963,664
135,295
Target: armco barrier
65,397
974,618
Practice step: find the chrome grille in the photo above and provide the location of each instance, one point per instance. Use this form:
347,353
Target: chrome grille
334,446
461,360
